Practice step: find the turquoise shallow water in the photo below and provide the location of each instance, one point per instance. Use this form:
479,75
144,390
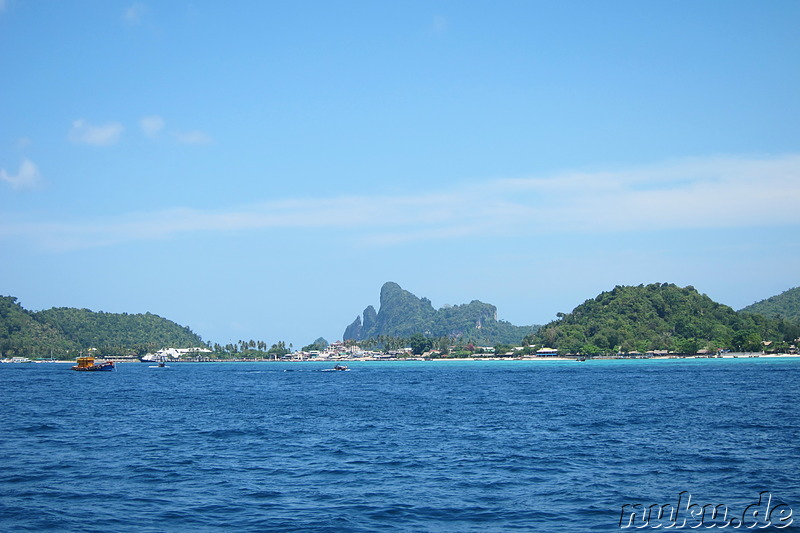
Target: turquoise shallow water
413,446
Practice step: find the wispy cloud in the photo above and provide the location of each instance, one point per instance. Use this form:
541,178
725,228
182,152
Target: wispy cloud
26,178
722,192
709,192
192,137
154,125
134,13
2,5
151,126
84,133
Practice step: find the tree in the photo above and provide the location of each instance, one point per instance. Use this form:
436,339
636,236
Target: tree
419,344
278,349
318,345
591,349
442,344
502,349
689,346
753,342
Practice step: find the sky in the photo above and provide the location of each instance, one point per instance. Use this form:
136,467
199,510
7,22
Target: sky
257,169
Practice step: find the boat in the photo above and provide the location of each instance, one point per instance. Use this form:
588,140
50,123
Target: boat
337,368
87,364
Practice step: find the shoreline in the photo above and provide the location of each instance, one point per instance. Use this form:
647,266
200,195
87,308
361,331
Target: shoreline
466,359
443,359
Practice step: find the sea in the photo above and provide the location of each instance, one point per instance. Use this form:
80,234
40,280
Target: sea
411,446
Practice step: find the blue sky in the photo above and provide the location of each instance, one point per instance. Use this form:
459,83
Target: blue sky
257,170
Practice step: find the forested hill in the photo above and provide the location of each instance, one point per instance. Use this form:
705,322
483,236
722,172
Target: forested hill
784,305
122,330
661,317
64,331
21,334
402,314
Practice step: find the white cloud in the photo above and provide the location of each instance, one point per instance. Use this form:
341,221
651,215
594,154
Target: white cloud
2,5
152,125
683,195
710,192
27,177
134,13
192,137
84,133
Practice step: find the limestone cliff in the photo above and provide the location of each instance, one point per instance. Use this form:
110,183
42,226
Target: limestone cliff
402,314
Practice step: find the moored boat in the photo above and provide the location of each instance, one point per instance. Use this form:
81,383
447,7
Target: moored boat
87,364
17,360
337,368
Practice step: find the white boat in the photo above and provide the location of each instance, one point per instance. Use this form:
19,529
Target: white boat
337,368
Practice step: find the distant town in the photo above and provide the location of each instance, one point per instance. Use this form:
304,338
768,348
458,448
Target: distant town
347,351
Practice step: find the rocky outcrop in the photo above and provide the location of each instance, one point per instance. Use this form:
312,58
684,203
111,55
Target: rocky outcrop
402,314
353,331
370,318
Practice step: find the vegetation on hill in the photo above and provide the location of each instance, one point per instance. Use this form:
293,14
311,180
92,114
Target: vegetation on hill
118,332
784,305
62,332
318,345
22,335
660,317
402,314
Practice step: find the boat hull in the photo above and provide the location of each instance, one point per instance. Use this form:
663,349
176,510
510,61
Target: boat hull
101,367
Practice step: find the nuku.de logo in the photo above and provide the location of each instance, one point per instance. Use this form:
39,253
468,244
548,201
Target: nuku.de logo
685,514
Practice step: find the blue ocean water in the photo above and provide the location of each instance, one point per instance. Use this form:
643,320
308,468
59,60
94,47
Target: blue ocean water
489,446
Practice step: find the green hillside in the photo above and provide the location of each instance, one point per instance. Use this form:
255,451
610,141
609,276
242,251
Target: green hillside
22,335
784,305
62,332
402,314
118,331
660,317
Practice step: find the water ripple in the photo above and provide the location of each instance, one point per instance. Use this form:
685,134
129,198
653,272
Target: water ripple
389,447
